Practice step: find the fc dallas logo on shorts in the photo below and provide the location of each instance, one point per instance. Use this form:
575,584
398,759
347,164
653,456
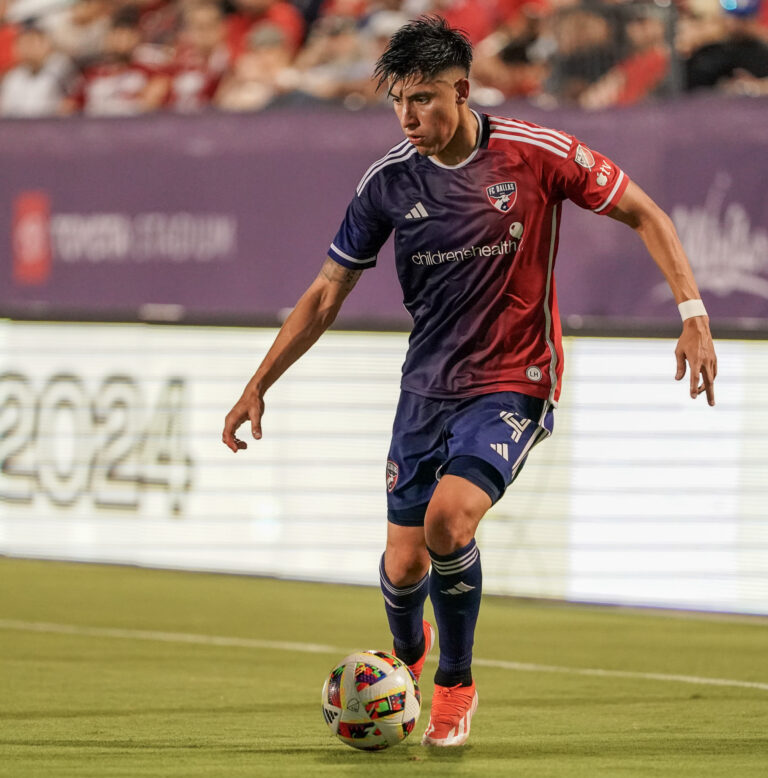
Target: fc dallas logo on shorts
502,196
392,473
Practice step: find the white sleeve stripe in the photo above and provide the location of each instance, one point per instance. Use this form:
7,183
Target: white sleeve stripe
550,138
532,141
536,128
613,192
540,130
393,150
338,251
531,134
391,158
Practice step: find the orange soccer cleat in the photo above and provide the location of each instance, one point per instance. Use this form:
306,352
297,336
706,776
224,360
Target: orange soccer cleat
452,711
429,641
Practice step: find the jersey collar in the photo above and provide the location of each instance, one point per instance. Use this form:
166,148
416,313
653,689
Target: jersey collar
478,144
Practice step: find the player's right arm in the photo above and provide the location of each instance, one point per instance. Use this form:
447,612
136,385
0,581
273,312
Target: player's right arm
314,313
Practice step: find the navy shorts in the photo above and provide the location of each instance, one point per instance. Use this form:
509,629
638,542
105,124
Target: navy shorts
485,439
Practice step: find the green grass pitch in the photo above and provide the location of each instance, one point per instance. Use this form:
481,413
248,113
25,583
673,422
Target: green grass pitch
116,671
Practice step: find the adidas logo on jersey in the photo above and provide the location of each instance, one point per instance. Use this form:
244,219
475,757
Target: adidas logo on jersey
502,449
417,212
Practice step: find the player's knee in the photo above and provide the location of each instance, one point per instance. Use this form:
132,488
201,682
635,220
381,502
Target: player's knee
405,566
448,529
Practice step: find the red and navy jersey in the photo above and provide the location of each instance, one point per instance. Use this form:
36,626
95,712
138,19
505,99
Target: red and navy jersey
475,248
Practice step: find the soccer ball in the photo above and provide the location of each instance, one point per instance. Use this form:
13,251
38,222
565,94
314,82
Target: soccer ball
371,700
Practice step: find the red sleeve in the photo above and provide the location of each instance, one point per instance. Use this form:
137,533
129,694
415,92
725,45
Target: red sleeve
588,178
564,167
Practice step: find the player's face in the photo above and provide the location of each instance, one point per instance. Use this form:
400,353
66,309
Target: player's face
429,110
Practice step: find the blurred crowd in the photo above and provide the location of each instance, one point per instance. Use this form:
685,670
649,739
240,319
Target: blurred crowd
128,57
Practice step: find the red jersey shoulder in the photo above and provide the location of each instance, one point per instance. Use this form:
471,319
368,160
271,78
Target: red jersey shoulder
529,139
566,167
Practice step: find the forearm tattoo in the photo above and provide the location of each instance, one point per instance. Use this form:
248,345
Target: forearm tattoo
339,274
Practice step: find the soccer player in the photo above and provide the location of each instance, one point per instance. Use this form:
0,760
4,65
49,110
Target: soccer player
475,202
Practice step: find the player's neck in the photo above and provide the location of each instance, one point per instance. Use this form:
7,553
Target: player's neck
464,140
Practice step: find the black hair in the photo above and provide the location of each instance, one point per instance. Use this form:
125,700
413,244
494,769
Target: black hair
423,48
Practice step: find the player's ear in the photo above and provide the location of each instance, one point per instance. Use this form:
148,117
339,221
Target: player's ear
462,91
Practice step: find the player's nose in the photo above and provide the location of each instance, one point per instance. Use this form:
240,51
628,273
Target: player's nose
408,117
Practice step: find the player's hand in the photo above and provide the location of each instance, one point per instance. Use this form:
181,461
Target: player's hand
695,347
249,407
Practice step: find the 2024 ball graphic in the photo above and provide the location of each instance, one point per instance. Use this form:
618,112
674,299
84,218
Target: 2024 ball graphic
371,700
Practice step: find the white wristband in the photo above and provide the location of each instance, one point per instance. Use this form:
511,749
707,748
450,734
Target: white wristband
691,308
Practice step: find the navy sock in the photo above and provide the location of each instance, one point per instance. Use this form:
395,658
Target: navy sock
455,586
405,613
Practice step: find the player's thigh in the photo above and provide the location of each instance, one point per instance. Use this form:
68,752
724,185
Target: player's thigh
453,514
406,560
490,437
416,452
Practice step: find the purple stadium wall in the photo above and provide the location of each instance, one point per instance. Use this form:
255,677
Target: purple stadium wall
227,218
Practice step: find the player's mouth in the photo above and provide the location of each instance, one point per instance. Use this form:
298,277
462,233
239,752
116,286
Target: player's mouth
416,140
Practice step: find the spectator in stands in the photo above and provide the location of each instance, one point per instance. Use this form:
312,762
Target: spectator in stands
37,85
251,15
118,84
555,51
159,20
637,75
337,61
699,23
332,40
79,30
201,58
584,50
738,54
334,55
256,77
507,63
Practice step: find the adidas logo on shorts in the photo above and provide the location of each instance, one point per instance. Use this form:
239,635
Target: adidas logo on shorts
502,449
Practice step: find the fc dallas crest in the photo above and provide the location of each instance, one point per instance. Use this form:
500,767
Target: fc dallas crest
392,473
502,196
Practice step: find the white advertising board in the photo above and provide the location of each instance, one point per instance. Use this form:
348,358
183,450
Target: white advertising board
110,451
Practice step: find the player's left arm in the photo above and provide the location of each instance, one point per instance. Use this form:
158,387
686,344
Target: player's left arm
653,225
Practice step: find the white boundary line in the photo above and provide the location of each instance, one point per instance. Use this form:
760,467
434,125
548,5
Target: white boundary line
695,679
319,648
164,637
